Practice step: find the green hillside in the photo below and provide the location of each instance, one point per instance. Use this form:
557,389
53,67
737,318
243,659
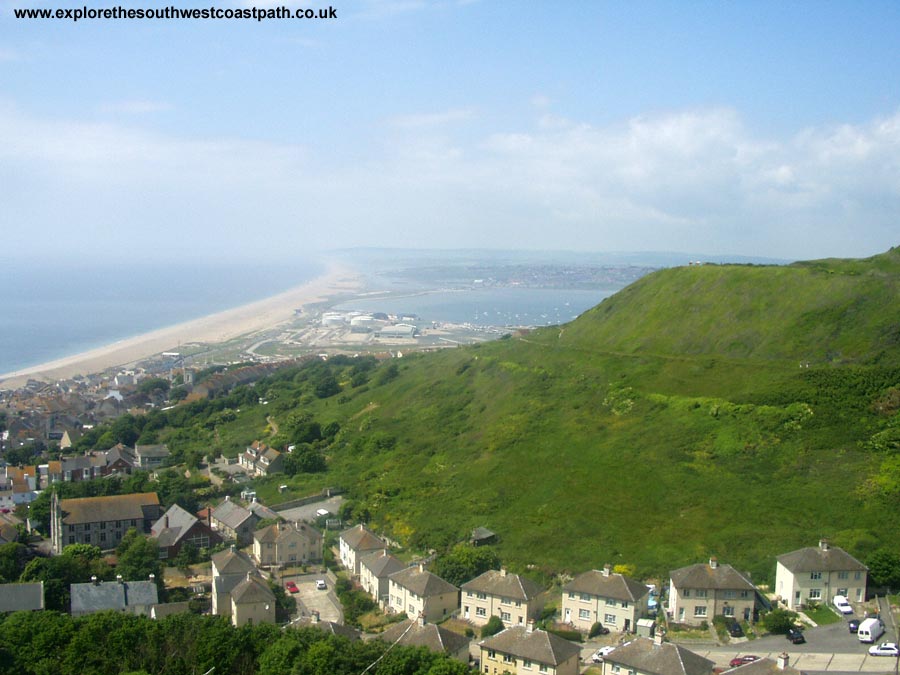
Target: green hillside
676,420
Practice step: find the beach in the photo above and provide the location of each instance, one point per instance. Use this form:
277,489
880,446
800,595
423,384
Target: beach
214,328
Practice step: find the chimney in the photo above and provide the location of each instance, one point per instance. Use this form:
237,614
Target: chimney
713,562
606,570
823,544
94,580
421,619
166,521
529,626
227,498
314,616
249,574
421,567
782,661
503,572
231,548
658,638
152,577
119,578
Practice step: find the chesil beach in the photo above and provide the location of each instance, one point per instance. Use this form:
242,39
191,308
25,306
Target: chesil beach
213,328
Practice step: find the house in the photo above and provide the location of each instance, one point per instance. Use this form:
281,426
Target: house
356,542
287,544
162,610
699,592
133,597
497,593
120,459
766,666
82,467
149,457
9,528
261,460
416,591
233,522
252,601
313,621
101,521
418,633
481,536
521,650
601,596
818,573
229,568
374,570
21,597
178,527
643,656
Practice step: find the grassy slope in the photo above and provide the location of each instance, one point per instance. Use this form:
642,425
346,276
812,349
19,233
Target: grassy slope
669,423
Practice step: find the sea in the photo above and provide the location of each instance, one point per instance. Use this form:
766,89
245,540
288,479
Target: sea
491,306
50,312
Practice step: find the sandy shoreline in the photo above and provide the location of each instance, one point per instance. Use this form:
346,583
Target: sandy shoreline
218,327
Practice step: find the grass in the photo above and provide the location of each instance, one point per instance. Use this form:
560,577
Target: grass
823,615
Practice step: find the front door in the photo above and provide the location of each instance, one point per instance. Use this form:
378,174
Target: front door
568,615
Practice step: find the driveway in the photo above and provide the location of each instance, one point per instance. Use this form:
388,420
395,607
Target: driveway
310,599
308,511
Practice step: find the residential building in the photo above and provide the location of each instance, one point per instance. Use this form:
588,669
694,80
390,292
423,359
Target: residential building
374,570
101,521
233,522
416,591
133,597
313,621
520,650
645,656
150,457
699,592
261,460
252,601
229,568
418,633
497,593
287,544
178,527
602,596
818,573
21,597
356,542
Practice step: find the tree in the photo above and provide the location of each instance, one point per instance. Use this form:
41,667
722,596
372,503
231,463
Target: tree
13,559
493,626
779,621
465,562
138,557
884,569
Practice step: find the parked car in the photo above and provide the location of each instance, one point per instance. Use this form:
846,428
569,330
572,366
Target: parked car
602,630
885,649
734,629
321,585
597,656
292,587
842,604
853,625
795,635
741,660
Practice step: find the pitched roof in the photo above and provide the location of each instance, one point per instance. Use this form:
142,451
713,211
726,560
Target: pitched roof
822,558
422,582
614,586
537,645
381,563
116,507
231,561
161,450
501,583
162,610
703,575
261,510
644,655
20,597
172,526
96,597
231,514
252,589
361,538
428,635
763,666
330,627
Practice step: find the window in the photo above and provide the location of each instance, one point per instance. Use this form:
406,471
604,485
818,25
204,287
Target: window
625,605
505,617
729,595
507,658
482,596
728,611
815,576
843,575
571,595
526,663
492,654
610,602
745,594
610,619
616,668
468,594
686,593
584,614
585,597
505,601
857,576
701,593
700,610
542,668
815,593
480,611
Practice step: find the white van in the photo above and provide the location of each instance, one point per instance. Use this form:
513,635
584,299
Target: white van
842,604
870,630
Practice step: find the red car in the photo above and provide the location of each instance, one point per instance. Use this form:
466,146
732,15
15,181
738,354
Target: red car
741,660
292,587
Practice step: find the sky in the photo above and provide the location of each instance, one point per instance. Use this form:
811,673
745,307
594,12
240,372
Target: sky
749,128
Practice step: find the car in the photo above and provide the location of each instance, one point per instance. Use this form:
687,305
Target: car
842,604
601,630
597,656
292,587
741,660
735,630
885,649
853,625
795,635
321,585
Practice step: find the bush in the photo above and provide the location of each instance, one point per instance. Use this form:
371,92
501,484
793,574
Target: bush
596,629
779,621
492,627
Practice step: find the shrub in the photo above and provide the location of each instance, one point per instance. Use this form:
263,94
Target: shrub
596,630
492,627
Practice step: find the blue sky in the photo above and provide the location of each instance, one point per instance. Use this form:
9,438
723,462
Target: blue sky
752,128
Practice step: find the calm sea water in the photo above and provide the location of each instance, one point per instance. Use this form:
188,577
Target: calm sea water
49,313
488,306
